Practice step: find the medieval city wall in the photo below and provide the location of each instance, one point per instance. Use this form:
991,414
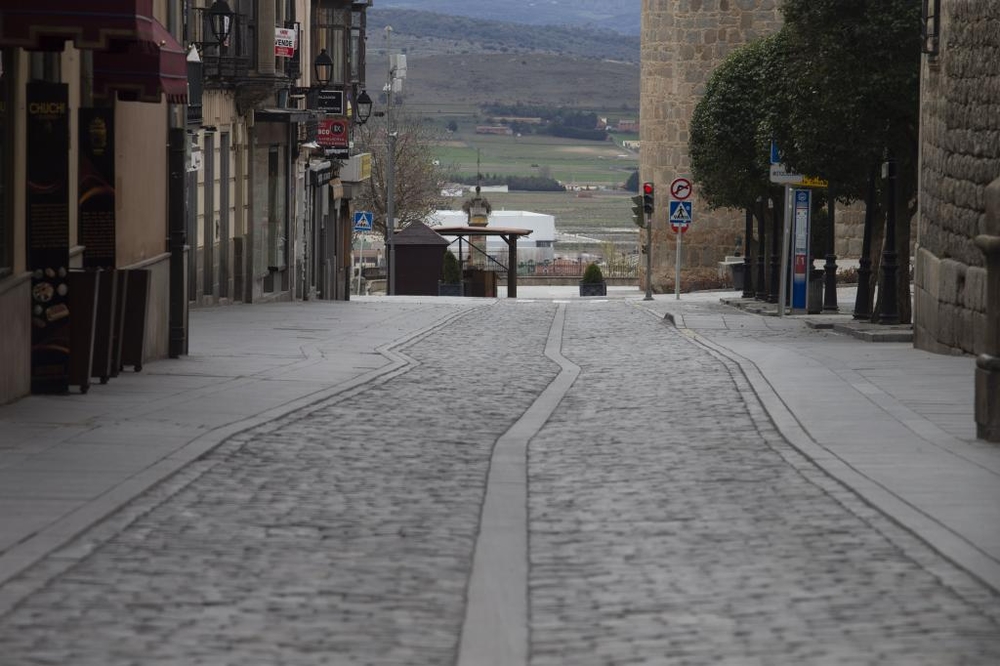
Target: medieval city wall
960,156
683,41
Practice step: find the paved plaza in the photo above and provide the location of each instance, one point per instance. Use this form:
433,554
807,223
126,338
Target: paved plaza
547,480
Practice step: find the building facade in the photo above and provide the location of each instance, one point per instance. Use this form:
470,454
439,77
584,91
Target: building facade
196,147
88,96
269,218
683,42
959,158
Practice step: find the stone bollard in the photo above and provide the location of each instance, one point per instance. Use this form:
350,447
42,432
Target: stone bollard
988,363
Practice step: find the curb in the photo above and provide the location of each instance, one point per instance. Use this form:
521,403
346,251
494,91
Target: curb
937,536
20,557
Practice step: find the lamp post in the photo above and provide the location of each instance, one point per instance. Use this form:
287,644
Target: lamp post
323,69
761,292
220,20
889,313
778,220
830,267
363,108
390,165
863,300
747,259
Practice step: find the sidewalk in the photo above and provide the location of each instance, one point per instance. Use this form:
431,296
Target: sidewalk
68,461
893,423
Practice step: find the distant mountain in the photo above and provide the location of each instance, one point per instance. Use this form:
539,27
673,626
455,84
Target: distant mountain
443,85
421,33
622,16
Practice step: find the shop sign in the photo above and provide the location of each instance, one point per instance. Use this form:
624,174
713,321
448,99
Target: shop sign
96,187
330,101
332,133
47,213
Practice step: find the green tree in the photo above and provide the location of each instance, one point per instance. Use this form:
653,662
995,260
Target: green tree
728,159
853,91
450,271
851,98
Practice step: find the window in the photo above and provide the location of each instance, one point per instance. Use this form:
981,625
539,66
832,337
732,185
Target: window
46,66
931,27
6,159
284,16
332,26
238,53
356,58
277,206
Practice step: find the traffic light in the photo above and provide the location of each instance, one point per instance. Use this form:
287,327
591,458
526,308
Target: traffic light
637,217
647,198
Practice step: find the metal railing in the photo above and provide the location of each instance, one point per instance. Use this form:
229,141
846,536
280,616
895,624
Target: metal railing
621,267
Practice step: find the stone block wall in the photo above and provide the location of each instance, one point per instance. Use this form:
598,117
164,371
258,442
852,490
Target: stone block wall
683,41
960,157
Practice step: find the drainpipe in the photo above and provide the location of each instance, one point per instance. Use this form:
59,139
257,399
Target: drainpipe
177,158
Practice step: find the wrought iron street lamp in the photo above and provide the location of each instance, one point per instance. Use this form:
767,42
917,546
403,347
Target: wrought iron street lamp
363,108
220,20
323,68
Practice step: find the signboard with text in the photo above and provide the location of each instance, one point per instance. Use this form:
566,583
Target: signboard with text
331,101
285,42
332,133
47,210
96,189
800,247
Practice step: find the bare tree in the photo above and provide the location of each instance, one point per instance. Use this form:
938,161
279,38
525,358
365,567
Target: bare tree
417,181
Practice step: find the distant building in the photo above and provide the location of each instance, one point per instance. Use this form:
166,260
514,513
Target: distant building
538,247
500,130
507,120
628,125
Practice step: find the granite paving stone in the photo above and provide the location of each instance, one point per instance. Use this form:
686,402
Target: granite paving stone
669,521
671,524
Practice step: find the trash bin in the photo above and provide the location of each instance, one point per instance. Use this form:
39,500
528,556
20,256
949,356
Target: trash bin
736,271
814,300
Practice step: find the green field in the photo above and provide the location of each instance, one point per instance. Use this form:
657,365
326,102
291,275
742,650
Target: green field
604,164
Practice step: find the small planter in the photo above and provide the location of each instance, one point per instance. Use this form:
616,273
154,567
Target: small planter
593,288
449,289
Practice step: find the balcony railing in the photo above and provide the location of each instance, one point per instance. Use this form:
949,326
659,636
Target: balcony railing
225,65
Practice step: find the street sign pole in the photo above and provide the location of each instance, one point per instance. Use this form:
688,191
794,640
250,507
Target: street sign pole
361,263
677,268
649,258
786,238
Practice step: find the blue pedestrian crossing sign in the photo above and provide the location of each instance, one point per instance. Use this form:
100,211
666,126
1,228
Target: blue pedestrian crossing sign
363,220
680,213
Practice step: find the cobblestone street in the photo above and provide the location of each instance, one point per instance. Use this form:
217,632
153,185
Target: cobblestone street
668,522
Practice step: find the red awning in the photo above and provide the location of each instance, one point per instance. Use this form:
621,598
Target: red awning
89,24
143,70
